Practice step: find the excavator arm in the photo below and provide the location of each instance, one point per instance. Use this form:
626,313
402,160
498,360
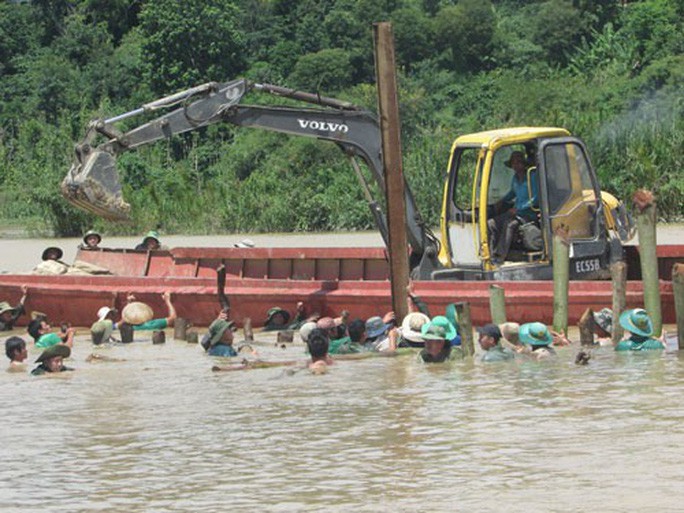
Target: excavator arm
93,181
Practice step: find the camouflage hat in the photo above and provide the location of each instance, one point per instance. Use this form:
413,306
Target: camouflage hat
604,319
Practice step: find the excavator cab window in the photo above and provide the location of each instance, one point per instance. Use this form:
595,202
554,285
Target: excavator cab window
573,197
465,177
464,173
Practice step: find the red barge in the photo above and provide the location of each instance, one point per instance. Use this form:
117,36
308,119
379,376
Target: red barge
328,280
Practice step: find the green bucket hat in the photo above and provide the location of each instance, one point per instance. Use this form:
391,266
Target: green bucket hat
52,351
217,329
452,315
535,334
637,321
439,328
92,232
151,235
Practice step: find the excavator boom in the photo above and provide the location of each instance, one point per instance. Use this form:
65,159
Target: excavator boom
93,181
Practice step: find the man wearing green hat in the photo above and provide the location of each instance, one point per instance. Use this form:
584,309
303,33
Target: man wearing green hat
438,334
539,339
91,240
150,242
221,338
9,314
640,327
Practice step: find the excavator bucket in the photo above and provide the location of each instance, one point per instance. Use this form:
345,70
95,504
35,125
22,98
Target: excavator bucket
92,184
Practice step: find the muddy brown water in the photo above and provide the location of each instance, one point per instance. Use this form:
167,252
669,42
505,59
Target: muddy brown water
161,432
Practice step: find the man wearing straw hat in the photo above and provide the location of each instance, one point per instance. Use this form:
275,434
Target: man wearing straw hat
52,360
640,327
9,314
140,315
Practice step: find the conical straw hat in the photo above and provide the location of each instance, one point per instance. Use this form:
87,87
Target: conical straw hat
137,313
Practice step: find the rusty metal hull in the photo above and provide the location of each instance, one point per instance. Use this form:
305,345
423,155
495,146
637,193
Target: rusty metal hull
76,298
328,280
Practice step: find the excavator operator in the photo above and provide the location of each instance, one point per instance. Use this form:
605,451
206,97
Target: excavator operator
518,207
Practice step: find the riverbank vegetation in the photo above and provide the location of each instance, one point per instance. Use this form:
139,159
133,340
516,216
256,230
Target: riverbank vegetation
612,72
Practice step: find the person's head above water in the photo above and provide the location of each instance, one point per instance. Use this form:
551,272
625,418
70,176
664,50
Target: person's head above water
15,349
318,343
490,334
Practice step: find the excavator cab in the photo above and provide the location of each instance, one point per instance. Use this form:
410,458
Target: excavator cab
563,191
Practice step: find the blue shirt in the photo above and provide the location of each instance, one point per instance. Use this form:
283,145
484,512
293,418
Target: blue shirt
524,203
222,350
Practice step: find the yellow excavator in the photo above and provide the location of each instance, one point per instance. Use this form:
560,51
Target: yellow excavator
559,175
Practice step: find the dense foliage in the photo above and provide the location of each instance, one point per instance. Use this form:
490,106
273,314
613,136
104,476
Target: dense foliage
610,71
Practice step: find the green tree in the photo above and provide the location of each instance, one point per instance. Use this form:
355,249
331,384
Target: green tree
558,28
187,42
327,70
466,31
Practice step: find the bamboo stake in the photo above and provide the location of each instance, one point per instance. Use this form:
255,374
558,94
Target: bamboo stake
585,324
618,273
561,269
645,208
678,289
464,320
497,304
180,327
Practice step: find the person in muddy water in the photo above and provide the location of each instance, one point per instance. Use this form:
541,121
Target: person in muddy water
44,336
52,360
490,342
639,328
140,315
318,344
538,338
221,335
437,335
15,349
9,314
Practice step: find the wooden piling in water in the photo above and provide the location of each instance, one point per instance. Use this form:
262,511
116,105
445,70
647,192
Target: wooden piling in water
180,327
585,325
388,107
561,269
645,208
466,328
678,289
192,337
618,273
497,304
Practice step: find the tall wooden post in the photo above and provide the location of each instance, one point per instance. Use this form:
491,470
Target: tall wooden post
466,328
497,304
561,270
678,290
645,208
618,273
388,107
